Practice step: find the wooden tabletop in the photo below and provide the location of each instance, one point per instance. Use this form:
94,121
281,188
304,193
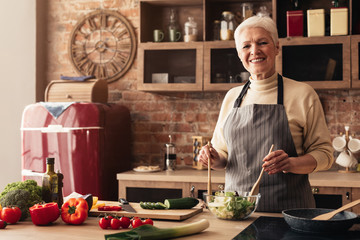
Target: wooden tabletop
188,174
89,230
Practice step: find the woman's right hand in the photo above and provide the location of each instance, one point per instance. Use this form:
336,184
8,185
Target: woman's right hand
209,153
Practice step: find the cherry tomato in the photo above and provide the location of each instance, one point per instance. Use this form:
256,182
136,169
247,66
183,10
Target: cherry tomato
125,222
115,223
148,221
136,222
11,215
104,222
2,224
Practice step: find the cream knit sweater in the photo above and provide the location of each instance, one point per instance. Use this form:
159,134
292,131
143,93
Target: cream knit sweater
304,111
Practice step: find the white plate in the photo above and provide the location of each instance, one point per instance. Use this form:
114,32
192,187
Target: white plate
144,169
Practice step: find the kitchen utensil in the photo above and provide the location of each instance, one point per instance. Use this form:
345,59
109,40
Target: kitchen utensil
255,188
329,215
126,205
209,191
166,214
301,220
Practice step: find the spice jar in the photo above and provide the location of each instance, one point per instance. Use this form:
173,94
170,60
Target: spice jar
216,30
190,30
227,26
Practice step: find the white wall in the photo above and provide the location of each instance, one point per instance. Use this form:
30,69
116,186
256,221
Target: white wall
17,80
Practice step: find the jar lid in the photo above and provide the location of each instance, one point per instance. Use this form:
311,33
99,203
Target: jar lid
225,13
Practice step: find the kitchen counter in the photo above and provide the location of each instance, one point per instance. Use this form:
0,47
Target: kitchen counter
188,174
219,229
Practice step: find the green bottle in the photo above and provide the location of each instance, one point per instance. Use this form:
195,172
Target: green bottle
50,190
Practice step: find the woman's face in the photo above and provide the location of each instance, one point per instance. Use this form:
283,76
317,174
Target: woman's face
257,52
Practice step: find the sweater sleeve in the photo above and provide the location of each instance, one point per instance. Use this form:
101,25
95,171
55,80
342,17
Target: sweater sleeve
317,137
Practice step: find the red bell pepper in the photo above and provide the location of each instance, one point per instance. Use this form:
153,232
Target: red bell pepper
74,211
44,214
10,215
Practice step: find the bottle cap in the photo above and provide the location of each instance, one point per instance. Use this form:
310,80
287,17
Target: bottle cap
50,160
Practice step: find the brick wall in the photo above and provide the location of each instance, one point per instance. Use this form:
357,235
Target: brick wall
155,116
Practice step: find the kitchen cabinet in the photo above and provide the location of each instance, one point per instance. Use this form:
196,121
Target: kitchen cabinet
355,63
355,194
328,62
331,197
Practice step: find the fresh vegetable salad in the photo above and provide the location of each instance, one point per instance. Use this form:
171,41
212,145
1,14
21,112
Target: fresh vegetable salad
230,205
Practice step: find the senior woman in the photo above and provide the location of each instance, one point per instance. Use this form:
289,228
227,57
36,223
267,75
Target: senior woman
269,109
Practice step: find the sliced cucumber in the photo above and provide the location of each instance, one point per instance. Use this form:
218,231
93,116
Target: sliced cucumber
181,203
152,205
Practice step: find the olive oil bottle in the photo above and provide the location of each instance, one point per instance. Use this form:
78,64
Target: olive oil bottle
50,190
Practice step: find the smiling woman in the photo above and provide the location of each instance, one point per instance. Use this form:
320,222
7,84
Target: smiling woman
269,109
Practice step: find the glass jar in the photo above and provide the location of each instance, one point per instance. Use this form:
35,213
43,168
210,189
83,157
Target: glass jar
227,26
247,10
190,30
263,12
216,30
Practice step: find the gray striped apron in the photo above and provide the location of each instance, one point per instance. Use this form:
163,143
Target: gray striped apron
249,132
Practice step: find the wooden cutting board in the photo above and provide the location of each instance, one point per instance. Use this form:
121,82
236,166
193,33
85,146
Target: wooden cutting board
168,214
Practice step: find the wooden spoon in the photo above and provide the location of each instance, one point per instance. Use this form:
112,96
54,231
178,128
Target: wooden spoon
255,188
209,191
329,215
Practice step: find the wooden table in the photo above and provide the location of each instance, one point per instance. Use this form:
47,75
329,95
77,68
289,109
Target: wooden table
219,229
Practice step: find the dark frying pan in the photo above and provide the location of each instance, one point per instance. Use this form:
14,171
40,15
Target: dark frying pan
300,220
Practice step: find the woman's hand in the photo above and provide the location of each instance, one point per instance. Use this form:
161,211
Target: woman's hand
207,153
279,161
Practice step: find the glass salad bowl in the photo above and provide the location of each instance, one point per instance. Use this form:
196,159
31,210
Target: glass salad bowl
232,205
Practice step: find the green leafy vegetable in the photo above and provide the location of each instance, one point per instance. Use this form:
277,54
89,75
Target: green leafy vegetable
22,194
227,205
149,232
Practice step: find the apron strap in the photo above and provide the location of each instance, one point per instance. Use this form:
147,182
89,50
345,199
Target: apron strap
280,97
242,94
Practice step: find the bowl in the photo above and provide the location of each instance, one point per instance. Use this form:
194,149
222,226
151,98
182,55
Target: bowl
232,205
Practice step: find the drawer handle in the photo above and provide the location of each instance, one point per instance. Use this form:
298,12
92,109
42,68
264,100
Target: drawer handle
68,96
315,190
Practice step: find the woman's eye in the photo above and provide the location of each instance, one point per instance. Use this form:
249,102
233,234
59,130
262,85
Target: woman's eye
246,46
263,43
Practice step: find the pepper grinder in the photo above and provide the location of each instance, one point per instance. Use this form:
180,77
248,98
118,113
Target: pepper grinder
170,156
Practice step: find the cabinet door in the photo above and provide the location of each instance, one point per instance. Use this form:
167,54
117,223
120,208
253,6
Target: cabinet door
322,62
222,67
355,63
170,67
355,192
331,197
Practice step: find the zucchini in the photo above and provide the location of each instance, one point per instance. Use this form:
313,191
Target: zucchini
181,203
152,205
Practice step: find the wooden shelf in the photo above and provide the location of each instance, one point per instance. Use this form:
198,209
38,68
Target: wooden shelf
337,53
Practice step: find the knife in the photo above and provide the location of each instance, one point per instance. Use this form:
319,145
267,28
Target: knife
126,206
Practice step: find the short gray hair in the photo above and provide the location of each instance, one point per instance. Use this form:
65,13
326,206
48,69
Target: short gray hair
258,21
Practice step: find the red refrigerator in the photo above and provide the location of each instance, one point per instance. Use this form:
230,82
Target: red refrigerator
89,141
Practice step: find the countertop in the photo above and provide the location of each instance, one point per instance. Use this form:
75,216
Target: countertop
219,229
188,174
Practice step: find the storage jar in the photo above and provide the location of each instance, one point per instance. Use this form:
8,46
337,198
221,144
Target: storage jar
227,26
294,21
316,22
338,21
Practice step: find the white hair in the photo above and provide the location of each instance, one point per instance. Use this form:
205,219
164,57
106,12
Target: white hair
257,21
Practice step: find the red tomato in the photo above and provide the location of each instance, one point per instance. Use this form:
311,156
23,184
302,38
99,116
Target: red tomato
11,215
136,222
2,224
74,211
104,222
115,223
125,222
148,221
